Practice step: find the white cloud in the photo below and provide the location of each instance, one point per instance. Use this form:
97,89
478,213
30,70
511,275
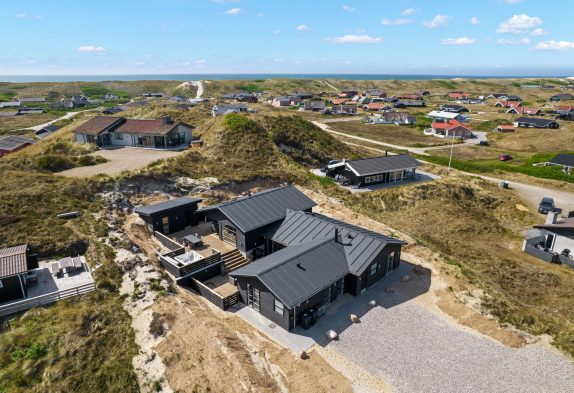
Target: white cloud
277,32
555,45
348,8
474,20
410,11
519,24
522,41
259,15
513,1
233,11
439,20
225,1
459,41
538,32
396,22
355,39
92,49
23,15
200,61
302,28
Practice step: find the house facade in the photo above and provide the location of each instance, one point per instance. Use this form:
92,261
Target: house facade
245,223
14,263
13,143
318,260
224,109
119,131
449,129
536,122
170,216
376,170
552,241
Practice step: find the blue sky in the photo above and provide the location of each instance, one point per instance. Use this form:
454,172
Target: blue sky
486,37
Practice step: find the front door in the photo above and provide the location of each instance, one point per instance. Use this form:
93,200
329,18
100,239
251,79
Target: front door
336,290
253,297
228,234
159,141
165,225
390,262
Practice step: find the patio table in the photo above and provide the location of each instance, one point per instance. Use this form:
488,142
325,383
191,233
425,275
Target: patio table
66,263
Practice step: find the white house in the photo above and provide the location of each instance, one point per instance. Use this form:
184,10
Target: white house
444,115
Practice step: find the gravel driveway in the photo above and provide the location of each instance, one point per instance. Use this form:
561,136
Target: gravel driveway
119,160
418,350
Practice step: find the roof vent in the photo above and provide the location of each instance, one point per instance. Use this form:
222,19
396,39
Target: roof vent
300,267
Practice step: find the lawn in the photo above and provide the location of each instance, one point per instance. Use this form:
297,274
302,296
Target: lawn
396,135
11,123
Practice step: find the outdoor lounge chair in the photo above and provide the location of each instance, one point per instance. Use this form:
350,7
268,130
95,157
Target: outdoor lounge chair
78,265
55,268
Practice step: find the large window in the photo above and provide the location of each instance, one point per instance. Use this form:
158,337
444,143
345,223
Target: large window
278,306
374,179
118,136
374,268
253,297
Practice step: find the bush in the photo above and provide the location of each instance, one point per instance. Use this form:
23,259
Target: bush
53,163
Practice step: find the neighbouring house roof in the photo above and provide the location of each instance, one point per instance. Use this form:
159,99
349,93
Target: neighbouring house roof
32,99
112,110
44,132
565,108
562,97
375,165
564,226
167,205
222,109
6,104
563,160
313,256
443,115
98,124
523,110
13,260
315,105
536,121
134,104
155,127
376,106
262,208
458,94
506,127
339,101
399,116
13,142
453,107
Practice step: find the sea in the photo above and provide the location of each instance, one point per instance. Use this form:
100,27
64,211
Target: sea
192,77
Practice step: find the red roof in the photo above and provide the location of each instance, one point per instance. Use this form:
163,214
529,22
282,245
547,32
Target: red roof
339,101
564,108
377,106
458,94
437,125
98,124
506,127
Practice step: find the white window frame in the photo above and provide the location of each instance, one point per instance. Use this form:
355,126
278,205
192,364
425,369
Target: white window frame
277,305
374,268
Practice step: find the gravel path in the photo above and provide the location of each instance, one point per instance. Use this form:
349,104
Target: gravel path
418,351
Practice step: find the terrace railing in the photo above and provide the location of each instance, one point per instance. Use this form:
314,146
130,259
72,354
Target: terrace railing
215,298
42,300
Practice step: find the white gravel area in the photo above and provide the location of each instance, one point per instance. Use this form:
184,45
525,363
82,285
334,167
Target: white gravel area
418,351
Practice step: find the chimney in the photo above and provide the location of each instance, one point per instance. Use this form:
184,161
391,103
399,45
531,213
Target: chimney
552,217
386,153
167,120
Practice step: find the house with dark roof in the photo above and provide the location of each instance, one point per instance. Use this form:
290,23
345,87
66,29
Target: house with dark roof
14,263
410,104
504,96
112,111
315,106
454,108
349,110
119,131
375,170
552,241
246,222
396,118
37,100
535,122
170,216
45,131
13,143
10,104
562,97
566,161
318,260
224,109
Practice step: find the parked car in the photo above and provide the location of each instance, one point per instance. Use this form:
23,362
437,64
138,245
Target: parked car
546,205
505,157
483,143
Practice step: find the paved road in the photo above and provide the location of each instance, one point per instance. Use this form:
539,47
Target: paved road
527,192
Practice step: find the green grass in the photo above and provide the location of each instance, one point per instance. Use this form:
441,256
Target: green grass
525,167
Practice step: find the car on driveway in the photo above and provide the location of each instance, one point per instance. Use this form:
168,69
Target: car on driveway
546,205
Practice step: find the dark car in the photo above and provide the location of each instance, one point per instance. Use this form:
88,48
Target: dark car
505,157
546,205
483,143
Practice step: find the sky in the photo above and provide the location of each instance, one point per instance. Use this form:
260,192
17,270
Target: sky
430,37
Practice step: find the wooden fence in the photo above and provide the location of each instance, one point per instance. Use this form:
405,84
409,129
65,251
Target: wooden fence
42,300
215,298
167,242
170,265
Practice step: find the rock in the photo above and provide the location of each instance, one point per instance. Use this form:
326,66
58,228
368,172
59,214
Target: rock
332,335
405,278
304,355
354,318
418,269
151,357
373,303
390,290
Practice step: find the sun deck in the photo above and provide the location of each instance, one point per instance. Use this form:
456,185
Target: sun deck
221,286
211,242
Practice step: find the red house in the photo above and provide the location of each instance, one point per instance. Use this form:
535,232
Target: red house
457,95
13,143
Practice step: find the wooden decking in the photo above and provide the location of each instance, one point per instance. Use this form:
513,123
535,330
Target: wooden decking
210,240
221,285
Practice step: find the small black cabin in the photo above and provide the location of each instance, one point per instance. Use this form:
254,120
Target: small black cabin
170,216
376,170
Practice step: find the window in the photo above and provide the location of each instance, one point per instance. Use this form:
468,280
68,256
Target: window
118,136
390,262
374,268
278,306
0,284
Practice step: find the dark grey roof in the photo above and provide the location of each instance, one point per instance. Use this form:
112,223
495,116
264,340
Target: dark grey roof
361,245
295,273
262,208
563,159
13,260
535,121
11,142
375,165
167,205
